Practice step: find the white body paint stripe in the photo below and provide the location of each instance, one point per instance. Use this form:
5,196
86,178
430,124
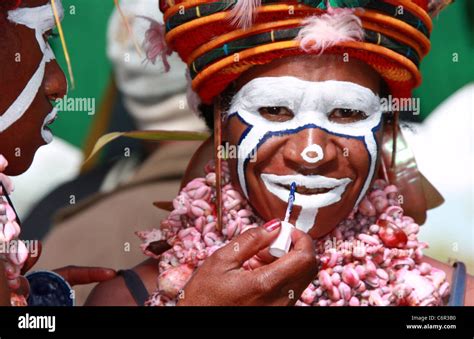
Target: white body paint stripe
26,97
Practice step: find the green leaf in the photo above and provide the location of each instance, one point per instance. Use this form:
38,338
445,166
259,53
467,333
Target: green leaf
149,136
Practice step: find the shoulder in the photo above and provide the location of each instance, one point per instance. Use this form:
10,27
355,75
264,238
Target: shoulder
448,269
115,292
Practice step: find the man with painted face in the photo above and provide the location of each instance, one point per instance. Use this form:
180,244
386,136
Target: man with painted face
296,88
30,81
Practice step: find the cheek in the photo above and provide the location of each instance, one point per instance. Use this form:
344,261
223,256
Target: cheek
234,130
354,154
268,158
22,58
25,134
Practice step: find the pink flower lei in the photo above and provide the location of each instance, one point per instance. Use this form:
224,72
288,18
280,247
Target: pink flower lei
13,252
373,257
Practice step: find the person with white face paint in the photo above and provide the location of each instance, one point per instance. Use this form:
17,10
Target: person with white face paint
314,104
300,95
154,100
30,80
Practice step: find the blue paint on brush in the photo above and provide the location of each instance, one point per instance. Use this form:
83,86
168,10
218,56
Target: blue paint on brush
291,200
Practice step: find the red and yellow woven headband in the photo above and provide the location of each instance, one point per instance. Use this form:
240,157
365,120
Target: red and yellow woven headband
218,48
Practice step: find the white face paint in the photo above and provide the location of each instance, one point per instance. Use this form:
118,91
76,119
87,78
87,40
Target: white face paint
41,20
45,131
311,103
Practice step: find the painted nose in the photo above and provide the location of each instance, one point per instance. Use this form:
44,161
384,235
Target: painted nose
312,154
309,149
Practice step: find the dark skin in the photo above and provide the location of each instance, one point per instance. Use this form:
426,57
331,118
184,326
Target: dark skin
20,141
271,281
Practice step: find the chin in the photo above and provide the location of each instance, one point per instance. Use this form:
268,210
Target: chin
14,168
17,166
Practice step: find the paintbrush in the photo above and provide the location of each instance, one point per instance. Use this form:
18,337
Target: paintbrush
282,244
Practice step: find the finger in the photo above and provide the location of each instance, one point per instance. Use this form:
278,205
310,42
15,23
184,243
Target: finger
76,275
300,239
297,268
254,263
246,245
265,257
262,258
32,260
257,261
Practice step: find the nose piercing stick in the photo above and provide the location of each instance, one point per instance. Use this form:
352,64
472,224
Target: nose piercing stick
282,244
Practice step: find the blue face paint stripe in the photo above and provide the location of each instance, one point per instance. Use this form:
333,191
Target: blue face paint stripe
241,139
373,130
247,130
269,135
296,130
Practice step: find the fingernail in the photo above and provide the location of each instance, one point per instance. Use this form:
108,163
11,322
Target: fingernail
272,225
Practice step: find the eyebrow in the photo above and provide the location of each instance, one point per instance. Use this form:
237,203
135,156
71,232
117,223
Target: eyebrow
252,90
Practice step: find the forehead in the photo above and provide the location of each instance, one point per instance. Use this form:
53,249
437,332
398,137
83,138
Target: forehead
39,18
316,68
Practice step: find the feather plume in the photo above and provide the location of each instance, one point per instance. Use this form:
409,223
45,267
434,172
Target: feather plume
155,44
436,6
327,30
243,12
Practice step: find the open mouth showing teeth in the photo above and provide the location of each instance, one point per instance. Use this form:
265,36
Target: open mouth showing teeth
308,191
311,190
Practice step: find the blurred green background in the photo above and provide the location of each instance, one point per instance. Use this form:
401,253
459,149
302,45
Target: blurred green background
85,26
453,33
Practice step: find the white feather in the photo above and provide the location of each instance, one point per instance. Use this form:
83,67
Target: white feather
324,31
243,13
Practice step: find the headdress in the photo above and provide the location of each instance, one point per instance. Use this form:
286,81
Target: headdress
219,40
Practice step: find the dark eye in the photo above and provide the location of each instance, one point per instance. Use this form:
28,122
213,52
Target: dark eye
344,116
276,113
